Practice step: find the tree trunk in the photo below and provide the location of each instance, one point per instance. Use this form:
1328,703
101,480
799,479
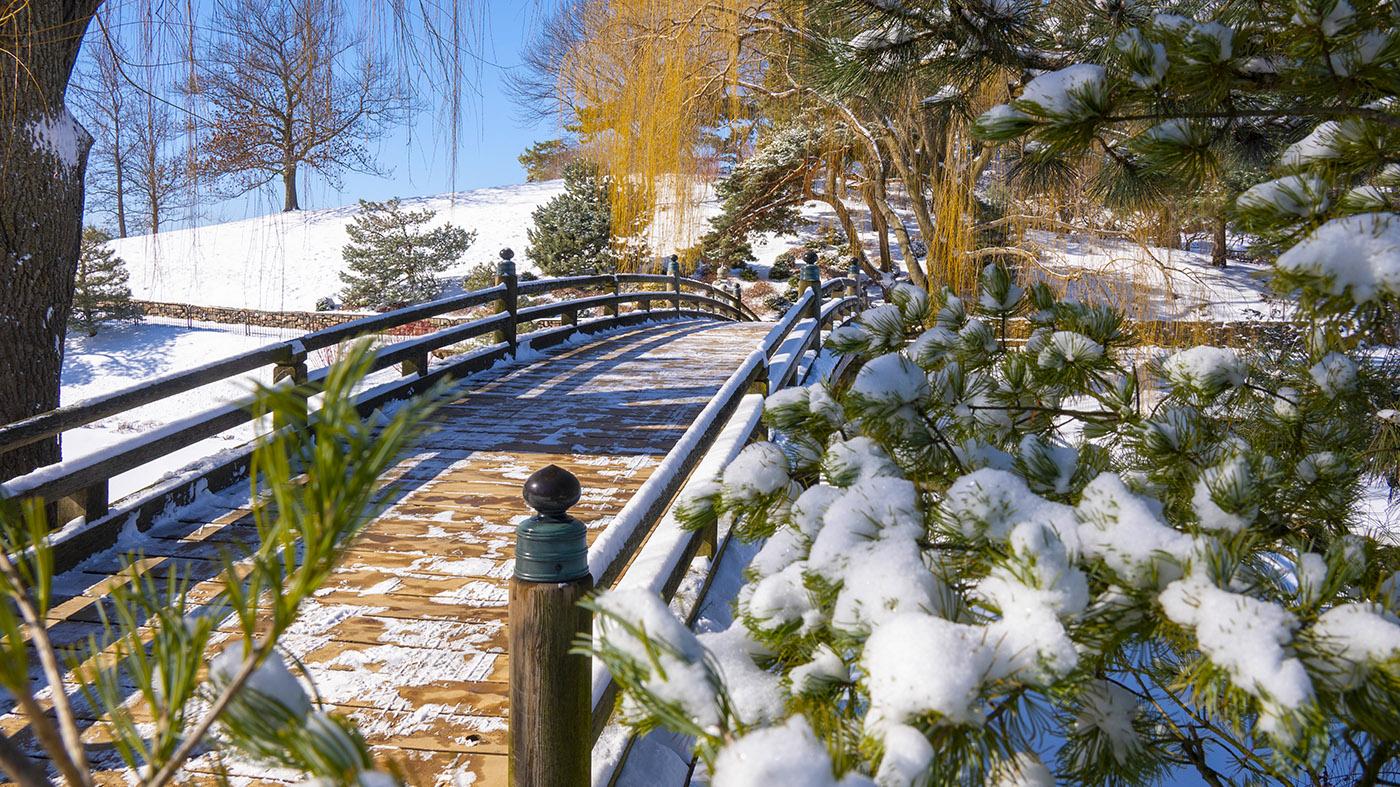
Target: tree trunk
881,227
121,196
43,154
289,186
832,197
1218,248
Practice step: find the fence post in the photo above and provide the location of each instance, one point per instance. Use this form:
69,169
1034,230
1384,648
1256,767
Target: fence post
859,291
92,503
509,303
551,689
812,280
614,308
292,366
674,268
418,364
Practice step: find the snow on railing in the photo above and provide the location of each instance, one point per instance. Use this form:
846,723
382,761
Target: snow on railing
81,486
643,546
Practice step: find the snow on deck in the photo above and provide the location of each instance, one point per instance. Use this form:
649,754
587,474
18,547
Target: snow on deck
408,636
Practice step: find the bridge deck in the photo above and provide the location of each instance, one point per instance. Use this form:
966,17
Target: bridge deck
409,635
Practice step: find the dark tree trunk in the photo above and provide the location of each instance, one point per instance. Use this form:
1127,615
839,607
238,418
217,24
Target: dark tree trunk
289,187
121,197
43,153
1218,248
882,229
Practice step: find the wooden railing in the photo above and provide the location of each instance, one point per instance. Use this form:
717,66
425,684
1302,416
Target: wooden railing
560,701
81,486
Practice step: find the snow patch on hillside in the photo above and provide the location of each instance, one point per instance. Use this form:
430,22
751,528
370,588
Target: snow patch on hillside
286,261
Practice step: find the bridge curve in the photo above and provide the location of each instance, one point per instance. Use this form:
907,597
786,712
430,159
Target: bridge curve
408,636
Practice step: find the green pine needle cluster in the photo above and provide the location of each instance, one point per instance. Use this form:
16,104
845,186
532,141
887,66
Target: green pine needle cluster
315,480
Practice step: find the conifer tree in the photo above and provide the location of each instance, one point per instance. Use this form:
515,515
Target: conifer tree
761,194
1044,561
573,232
100,291
392,259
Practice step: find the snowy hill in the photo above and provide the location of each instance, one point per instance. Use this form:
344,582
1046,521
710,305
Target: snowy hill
285,261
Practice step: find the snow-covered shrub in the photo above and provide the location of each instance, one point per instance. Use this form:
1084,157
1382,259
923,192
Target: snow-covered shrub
1020,563
784,266
325,304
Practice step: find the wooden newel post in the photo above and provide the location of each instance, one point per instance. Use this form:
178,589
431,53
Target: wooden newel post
613,308
509,303
550,689
673,267
738,300
857,290
292,366
812,280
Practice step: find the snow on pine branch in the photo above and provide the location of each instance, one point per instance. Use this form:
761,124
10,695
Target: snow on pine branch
953,571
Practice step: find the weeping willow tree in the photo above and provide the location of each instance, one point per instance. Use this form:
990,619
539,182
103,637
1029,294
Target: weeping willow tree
648,83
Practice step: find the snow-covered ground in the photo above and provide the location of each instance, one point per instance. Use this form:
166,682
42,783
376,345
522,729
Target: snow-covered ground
126,354
286,261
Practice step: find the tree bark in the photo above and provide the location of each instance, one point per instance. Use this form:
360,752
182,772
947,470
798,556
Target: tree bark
121,197
835,187
289,187
43,155
881,227
1218,248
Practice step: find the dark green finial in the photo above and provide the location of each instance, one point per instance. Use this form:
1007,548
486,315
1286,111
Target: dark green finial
551,546
505,267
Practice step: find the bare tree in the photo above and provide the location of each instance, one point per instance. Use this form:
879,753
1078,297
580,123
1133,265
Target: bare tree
535,84
160,170
44,155
105,99
288,89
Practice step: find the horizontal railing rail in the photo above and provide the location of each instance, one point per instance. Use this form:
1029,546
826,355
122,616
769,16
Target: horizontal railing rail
82,483
616,552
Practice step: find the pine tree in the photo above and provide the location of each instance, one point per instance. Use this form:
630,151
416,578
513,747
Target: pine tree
392,259
573,232
547,159
761,194
992,560
100,291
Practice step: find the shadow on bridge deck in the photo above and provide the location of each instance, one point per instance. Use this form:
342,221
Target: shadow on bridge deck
408,636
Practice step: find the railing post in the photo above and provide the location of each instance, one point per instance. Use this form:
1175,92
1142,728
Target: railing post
292,366
759,385
812,280
859,291
615,307
509,303
92,503
550,688
418,365
674,268
738,301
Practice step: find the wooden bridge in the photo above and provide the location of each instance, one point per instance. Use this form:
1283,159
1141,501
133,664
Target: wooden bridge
631,391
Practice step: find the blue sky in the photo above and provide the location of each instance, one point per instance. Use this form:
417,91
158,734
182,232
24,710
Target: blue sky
491,136
418,157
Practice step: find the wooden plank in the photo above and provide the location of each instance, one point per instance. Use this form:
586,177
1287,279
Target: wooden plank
409,634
